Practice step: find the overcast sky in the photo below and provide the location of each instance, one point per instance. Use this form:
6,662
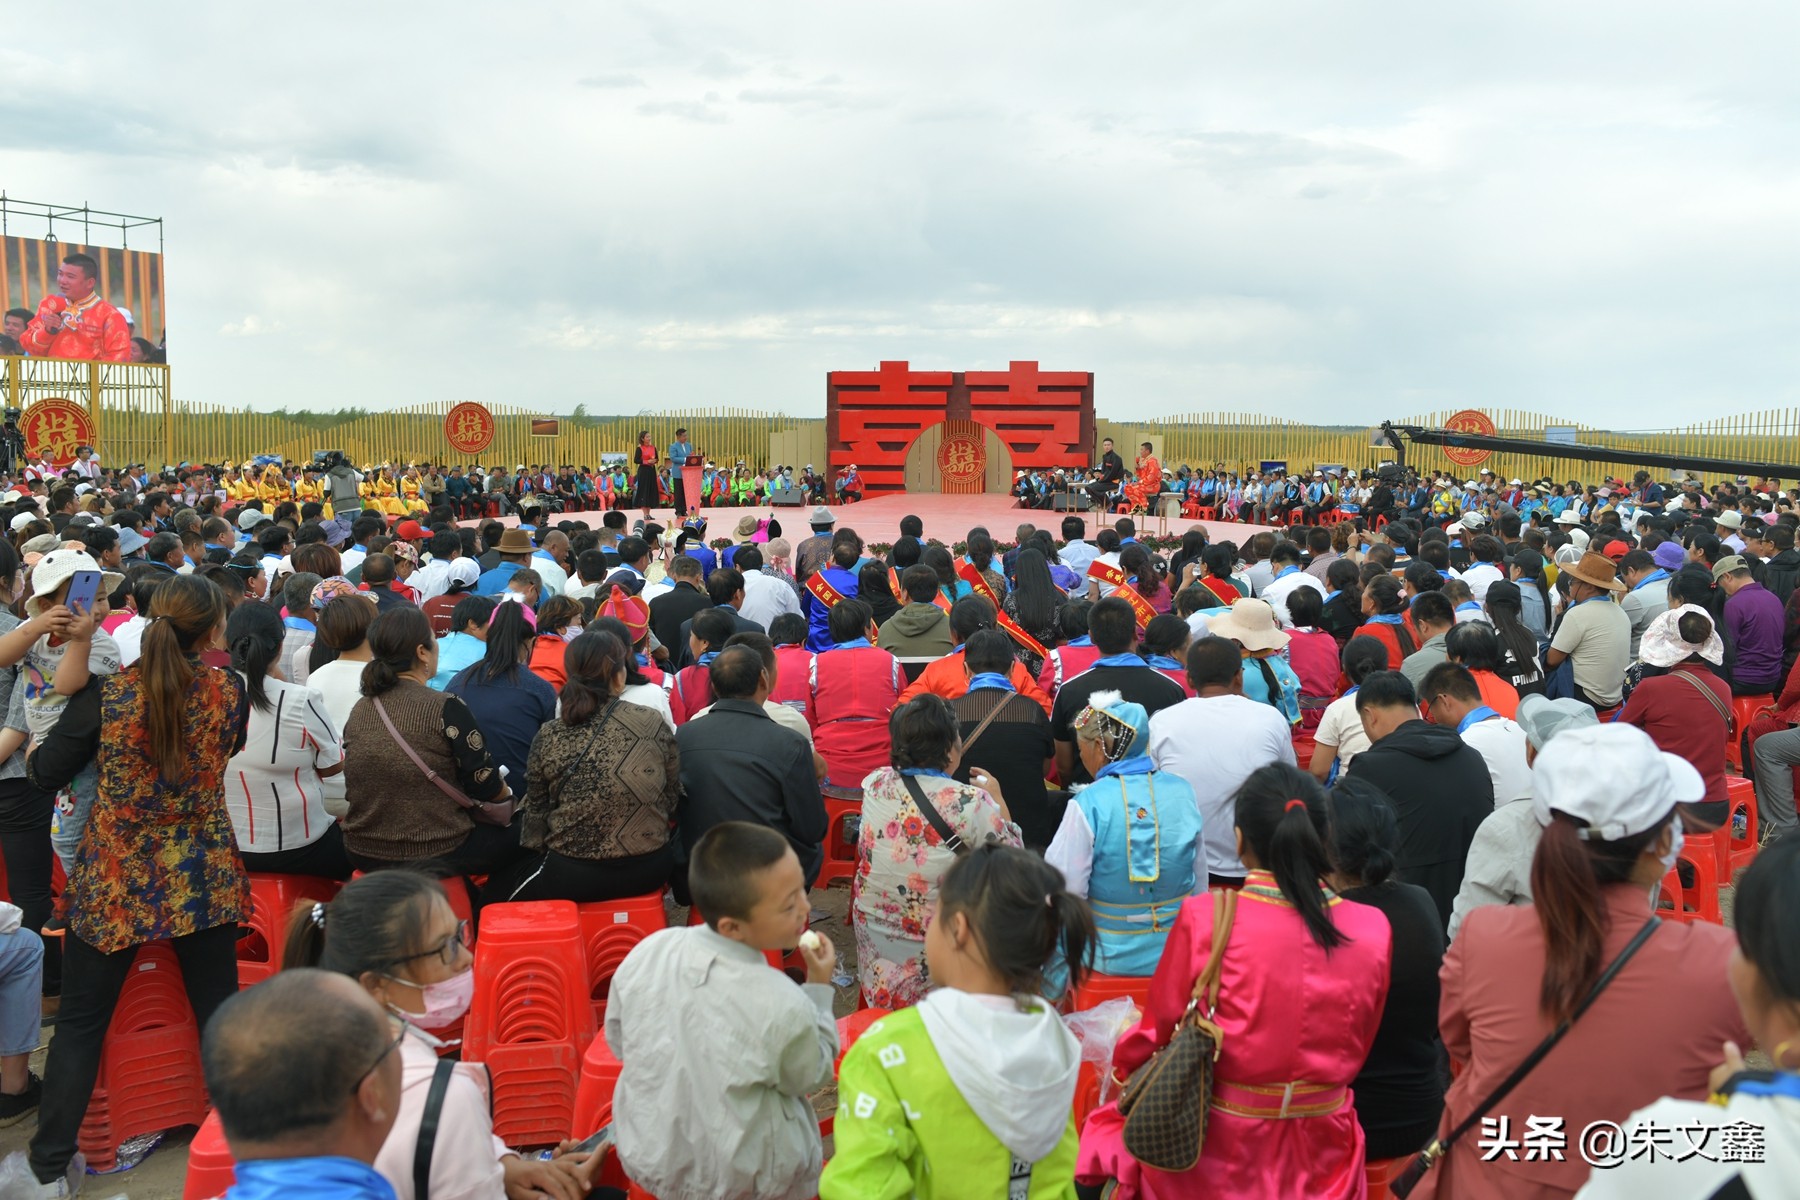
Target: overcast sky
1329,211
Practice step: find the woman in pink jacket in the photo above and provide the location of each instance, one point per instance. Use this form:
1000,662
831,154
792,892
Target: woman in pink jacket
1305,975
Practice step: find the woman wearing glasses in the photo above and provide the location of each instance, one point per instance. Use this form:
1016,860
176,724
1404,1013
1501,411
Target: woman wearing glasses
395,934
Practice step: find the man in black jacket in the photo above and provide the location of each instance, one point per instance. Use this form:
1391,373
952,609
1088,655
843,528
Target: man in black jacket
1781,565
737,764
672,609
1112,469
1439,785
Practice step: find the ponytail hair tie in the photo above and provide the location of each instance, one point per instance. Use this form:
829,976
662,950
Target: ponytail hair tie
1291,805
1049,900
318,915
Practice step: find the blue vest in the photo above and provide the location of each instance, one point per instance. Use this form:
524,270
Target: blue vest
1146,835
818,633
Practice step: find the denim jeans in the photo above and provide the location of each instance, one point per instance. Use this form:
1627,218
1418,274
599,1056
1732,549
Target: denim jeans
21,986
73,807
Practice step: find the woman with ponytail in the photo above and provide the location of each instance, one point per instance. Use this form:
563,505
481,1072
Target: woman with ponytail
396,935
1304,976
968,1093
275,784
1606,800
157,861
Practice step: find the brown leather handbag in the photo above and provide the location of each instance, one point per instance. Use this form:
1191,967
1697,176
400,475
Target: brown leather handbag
1165,1101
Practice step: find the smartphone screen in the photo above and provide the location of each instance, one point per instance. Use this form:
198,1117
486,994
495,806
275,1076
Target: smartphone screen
83,587
591,1144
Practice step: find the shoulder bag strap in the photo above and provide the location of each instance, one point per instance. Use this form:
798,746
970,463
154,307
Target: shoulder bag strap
1206,988
952,840
428,1128
985,722
1712,697
443,785
596,726
1415,1170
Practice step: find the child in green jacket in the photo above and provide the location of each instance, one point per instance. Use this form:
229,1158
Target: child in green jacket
968,1095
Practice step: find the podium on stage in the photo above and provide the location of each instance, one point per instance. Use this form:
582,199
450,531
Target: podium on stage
692,477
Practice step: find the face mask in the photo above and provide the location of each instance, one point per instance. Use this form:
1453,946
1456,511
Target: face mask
1676,841
445,1002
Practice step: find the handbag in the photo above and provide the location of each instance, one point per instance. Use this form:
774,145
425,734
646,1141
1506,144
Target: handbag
1165,1101
1408,1179
491,812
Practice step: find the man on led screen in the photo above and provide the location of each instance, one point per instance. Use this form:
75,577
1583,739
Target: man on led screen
78,323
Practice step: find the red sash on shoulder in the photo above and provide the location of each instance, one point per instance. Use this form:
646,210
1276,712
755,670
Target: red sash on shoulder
965,571
1019,635
1142,607
941,600
1106,573
1217,594
822,591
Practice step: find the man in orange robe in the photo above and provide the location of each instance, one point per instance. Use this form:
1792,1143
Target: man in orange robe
78,323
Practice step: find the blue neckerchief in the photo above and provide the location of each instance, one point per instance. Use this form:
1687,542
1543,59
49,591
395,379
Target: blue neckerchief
705,660
1127,541
1591,599
1083,640
1651,578
916,771
852,644
1785,1083
1476,716
1137,764
334,1176
1285,571
1163,660
1467,606
1386,619
643,660
1119,660
1333,595
990,680
298,623
1446,575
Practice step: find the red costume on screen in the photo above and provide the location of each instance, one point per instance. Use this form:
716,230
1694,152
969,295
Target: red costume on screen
92,330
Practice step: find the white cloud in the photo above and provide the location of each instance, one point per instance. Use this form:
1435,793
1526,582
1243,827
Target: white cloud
1334,212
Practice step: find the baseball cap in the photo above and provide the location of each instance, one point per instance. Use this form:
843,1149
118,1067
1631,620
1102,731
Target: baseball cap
465,571
1474,520
250,518
1729,564
1615,550
22,520
1613,778
1542,719
411,531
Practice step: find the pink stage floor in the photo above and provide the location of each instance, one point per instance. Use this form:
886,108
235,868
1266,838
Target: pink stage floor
947,518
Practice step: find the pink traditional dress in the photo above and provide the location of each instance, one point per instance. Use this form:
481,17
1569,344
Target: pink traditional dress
1297,1022
1149,482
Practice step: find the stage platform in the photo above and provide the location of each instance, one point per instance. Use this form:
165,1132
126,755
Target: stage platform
946,518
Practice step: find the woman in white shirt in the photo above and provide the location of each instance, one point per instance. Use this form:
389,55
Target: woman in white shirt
395,934
343,616
274,785
1340,737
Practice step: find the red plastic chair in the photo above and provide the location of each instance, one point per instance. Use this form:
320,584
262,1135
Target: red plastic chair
210,1167
150,1077
1206,512
609,930
1740,847
1699,902
594,1094
532,1017
841,805
1743,711
1378,1173
1096,989
273,899
850,1029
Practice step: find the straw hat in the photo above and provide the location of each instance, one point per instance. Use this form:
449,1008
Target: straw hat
1251,624
1596,569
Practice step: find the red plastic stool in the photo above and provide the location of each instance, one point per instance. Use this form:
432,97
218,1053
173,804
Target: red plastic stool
610,928
841,804
1378,1173
273,899
850,1029
594,1094
1097,989
1206,512
149,1076
1699,902
1087,1093
210,1167
1743,711
1740,848
531,1018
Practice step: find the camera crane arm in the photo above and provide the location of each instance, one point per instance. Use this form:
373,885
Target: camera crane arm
1419,435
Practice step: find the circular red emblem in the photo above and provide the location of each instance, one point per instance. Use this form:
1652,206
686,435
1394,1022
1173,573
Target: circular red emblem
1469,420
962,457
469,428
54,428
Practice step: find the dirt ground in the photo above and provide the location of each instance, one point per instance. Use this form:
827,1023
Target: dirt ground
161,1175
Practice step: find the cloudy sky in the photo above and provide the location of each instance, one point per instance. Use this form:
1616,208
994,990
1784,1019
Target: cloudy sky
1323,210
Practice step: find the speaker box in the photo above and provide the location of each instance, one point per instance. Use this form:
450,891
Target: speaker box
788,498
1069,501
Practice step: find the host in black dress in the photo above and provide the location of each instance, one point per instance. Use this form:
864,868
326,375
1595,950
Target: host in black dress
644,492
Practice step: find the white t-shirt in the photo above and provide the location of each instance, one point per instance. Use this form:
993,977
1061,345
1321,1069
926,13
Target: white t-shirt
650,695
272,786
1277,593
1111,560
1341,726
1214,742
1479,576
1501,744
339,684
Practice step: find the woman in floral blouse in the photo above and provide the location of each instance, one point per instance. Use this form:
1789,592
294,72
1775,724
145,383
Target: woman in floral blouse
158,860
901,854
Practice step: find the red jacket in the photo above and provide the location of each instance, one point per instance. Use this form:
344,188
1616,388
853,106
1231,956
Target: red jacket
98,332
854,689
947,678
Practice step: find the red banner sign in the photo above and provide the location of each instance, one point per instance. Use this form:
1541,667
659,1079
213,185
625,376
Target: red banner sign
54,428
469,428
1469,420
